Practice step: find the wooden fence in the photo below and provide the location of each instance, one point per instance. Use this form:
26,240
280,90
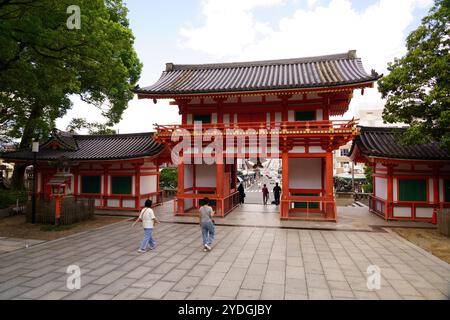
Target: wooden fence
71,211
443,222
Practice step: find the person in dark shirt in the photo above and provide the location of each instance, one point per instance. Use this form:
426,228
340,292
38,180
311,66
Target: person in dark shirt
277,193
265,192
241,193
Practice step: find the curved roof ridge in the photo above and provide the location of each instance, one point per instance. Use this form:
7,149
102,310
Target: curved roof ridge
273,62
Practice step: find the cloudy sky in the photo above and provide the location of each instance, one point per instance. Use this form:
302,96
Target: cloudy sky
207,31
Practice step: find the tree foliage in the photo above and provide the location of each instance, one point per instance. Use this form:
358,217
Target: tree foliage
92,127
418,85
43,63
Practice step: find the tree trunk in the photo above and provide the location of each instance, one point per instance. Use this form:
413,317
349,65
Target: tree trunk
28,134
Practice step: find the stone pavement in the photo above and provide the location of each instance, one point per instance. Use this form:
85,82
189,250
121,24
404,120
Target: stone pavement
245,263
11,244
349,218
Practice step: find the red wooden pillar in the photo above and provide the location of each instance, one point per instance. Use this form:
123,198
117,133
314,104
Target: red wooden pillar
284,206
137,190
75,183
105,186
329,194
219,184
436,195
180,202
390,191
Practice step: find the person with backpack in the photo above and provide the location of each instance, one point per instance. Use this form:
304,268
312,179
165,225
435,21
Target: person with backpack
207,224
147,216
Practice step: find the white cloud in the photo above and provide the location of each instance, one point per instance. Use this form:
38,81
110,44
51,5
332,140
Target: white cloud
232,32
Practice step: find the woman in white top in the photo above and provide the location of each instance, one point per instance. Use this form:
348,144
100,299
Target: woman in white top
147,216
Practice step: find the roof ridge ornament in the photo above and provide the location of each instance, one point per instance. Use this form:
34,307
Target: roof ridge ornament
352,54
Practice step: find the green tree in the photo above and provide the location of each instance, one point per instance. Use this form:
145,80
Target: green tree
93,127
168,178
418,85
43,63
368,171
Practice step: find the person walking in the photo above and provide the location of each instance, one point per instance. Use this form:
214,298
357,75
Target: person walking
147,216
207,224
277,193
265,193
241,193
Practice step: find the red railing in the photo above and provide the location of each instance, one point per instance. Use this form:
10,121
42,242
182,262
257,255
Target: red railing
314,208
377,206
226,205
281,128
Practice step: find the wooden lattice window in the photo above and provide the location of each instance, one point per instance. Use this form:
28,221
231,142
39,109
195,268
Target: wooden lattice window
305,115
91,184
121,185
412,190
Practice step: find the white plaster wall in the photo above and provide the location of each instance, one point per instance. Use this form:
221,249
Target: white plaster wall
268,117
189,118
316,149
402,212
114,203
319,114
128,203
226,118
277,116
395,191
97,202
381,188
423,212
297,149
102,184
148,184
205,175
291,115
431,190
235,118
188,176
305,173
214,117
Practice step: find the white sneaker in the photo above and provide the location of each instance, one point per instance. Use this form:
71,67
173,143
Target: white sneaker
207,247
141,251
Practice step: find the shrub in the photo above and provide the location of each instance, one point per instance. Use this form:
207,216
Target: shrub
9,198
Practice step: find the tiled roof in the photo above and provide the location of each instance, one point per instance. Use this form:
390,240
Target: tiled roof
92,147
321,71
381,142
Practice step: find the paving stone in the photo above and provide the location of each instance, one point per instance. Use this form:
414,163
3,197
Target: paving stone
202,292
245,294
110,277
54,295
187,284
319,294
272,291
175,295
228,289
213,278
117,286
158,290
174,275
129,294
